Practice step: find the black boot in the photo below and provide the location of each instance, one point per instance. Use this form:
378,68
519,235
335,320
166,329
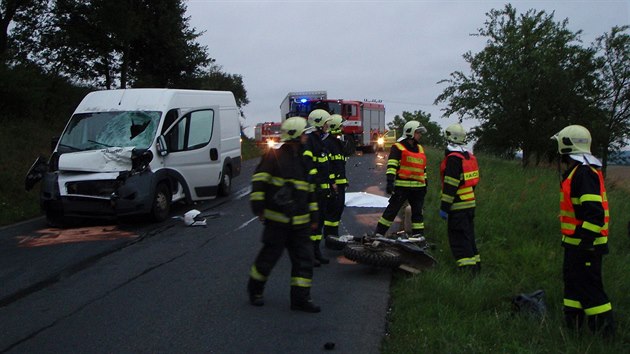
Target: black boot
255,290
319,258
301,300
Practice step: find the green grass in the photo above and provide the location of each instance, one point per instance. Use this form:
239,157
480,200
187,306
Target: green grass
444,311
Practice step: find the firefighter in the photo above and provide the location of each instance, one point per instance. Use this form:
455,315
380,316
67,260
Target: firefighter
459,173
283,200
337,197
316,158
406,180
584,218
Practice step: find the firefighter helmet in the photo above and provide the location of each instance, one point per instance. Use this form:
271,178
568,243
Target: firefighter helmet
413,126
456,134
573,139
317,118
335,123
292,128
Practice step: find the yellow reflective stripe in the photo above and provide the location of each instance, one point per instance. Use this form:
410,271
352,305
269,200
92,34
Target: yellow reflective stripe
451,181
341,181
463,205
576,241
598,309
567,213
385,222
316,237
466,262
572,303
591,227
324,186
600,241
308,153
417,225
478,258
261,177
255,274
447,198
413,169
567,226
256,196
313,206
408,183
390,171
465,190
590,198
331,176
393,163
321,159
415,160
312,171
276,216
331,223
467,196
301,282
301,219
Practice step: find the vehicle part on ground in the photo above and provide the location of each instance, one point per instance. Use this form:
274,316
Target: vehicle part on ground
407,254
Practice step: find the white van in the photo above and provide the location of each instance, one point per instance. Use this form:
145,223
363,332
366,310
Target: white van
135,151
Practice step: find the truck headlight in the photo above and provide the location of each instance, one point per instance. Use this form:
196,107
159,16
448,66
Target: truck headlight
380,141
270,143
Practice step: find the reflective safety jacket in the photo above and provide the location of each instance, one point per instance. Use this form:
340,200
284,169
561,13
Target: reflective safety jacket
336,159
281,192
459,172
316,159
407,164
584,214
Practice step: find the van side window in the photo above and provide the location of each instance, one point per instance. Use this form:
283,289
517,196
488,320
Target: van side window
193,131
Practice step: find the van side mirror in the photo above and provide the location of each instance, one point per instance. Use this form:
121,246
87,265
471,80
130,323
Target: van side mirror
160,146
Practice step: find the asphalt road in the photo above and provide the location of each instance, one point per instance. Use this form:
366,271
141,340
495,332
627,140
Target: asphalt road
137,287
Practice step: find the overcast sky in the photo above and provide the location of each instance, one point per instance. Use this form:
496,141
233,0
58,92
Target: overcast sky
394,51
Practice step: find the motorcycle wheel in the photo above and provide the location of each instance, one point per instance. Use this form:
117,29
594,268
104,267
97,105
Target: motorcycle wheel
375,256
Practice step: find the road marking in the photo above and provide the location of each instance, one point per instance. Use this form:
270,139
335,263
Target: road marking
246,223
243,192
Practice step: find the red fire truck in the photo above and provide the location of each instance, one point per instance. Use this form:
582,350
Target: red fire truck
364,121
267,133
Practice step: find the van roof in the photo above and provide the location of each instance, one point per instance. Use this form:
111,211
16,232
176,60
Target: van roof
152,99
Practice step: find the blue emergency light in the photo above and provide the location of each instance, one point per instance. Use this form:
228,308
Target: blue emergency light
303,100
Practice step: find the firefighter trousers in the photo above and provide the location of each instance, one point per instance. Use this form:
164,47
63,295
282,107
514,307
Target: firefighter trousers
415,197
335,204
584,295
461,238
300,249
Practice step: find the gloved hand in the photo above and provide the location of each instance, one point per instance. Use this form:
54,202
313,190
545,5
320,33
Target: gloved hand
443,215
390,188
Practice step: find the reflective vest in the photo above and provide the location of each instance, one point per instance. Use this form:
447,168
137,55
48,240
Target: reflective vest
468,179
412,166
568,220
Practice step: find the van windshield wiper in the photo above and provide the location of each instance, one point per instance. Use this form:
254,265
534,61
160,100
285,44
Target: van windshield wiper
70,147
99,143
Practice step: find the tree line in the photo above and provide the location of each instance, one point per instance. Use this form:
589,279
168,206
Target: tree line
107,44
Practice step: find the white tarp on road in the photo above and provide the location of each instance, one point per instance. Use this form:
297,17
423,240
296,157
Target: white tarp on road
366,200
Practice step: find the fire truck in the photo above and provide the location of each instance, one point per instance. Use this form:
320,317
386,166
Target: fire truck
364,121
290,105
267,133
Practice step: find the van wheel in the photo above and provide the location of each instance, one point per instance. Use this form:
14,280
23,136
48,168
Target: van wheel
55,219
226,183
161,203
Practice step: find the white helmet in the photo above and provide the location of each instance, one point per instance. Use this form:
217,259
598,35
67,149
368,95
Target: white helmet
292,128
573,139
318,117
413,126
456,134
335,123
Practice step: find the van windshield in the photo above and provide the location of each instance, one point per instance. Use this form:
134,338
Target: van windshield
91,131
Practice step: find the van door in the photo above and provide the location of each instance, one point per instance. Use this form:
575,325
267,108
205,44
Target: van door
194,143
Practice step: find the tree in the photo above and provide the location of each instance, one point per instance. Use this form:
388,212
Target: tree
9,9
615,79
530,80
215,79
433,136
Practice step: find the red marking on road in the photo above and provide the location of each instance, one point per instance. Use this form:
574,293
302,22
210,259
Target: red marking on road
53,236
344,260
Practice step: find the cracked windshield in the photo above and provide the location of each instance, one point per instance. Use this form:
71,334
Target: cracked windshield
91,131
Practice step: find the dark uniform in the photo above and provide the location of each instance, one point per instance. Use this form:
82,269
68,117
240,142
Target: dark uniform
584,218
406,180
282,195
316,159
336,200
460,174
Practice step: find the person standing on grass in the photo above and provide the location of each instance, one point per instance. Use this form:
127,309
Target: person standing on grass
459,173
584,218
284,201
